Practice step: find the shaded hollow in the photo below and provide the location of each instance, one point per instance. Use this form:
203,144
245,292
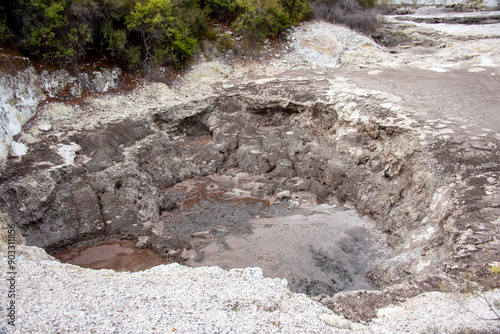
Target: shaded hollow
201,182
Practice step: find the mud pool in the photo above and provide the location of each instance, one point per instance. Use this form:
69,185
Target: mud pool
324,250
318,248
116,255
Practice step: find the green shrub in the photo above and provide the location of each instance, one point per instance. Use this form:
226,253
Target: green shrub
183,47
151,21
167,30
115,40
135,32
192,18
52,33
5,31
224,10
132,57
119,49
225,43
261,19
298,10
211,35
111,37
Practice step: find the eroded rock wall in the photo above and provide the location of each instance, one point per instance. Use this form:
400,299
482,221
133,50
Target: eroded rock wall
22,88
20,93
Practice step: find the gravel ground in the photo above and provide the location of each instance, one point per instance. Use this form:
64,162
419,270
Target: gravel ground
62,298
438,312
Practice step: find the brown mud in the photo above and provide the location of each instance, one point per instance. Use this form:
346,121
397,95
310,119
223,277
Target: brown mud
116,255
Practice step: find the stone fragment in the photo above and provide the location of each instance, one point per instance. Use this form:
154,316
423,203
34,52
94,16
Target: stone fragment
335,320
142,241
283,194
45,126
18,149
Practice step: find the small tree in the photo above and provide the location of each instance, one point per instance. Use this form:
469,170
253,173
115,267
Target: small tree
165,37
5,31
261,19
51,32
299,10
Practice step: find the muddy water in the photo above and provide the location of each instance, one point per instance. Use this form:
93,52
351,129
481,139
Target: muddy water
326,251
318,248
116,255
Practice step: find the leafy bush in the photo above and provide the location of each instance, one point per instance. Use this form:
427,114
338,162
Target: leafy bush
183,47
225,44
261,19
167,34
152,22
112,37
224,10
119,49
52,33
137,32
194,18
352,13
299,10
5,31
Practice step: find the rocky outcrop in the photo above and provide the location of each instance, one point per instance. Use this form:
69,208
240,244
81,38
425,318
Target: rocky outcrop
20,93
64,85
22,88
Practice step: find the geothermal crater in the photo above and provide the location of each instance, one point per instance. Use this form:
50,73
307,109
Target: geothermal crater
379,176
234,185
331,186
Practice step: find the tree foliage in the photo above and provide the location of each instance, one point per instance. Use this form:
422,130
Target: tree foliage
137,33
5,32
51,31
168,30
260,19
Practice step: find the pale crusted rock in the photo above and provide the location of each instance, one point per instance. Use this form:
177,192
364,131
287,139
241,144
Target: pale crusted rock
44,126
18,149
335,321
